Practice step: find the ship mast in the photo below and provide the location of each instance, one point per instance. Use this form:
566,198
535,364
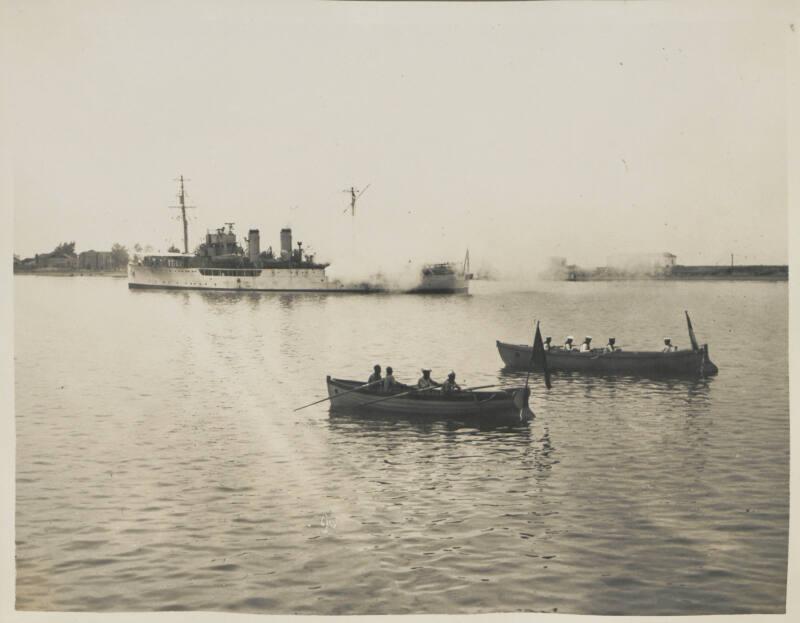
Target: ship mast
354,195
183,207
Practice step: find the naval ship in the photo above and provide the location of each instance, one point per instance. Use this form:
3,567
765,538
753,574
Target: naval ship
220,263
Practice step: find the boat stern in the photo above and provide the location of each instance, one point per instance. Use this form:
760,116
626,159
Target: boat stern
521,397
332,389
707,367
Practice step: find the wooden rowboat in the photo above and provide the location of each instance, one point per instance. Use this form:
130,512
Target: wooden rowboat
503,407
694,363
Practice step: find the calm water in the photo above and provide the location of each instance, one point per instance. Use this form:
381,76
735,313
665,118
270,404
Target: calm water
160,464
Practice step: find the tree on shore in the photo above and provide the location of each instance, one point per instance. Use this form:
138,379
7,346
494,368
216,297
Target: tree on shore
119,255
65,248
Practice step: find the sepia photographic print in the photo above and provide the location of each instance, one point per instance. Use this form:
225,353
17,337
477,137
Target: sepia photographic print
344,308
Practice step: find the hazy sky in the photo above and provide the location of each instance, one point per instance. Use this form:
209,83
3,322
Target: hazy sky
517,130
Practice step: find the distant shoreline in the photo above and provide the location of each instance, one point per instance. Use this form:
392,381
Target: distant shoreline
686,278
682,273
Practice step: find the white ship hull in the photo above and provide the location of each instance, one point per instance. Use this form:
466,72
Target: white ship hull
283,279
239,279
453,283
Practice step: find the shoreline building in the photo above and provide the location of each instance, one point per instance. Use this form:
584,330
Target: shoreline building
96,260
55,261
641,264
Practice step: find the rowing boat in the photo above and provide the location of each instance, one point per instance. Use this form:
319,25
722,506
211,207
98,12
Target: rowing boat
687,362
505,406
693,362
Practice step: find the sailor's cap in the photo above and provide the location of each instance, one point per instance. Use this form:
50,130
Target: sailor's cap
570,338
588,337
426,370
667,339
451,373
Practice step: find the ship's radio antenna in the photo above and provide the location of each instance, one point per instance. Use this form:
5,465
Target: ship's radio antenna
183,207
354,195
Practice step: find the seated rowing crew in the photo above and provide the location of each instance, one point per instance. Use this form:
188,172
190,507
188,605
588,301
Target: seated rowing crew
587,344
568,343
389,382
375,377
668,346
450,385
426,381
547,343
612,345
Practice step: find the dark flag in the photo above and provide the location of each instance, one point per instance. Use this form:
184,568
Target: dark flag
539,356
692,338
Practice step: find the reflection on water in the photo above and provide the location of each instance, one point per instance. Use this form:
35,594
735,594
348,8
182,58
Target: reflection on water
160,463
634,383
365,419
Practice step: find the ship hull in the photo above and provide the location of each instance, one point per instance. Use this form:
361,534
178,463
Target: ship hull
442,284
235,280
680,363
299,279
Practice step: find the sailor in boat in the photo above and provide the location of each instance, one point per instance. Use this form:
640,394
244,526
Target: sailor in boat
547,344
586,347
376,375
668,346
568,343
426,381
450,385
389,382
612,345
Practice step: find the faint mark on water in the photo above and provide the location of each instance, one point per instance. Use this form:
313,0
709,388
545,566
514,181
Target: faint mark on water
327,522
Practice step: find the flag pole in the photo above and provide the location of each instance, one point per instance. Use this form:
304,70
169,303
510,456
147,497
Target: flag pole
539,355
692,338
533,349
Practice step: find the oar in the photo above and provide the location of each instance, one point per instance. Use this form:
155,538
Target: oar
349,391
472,389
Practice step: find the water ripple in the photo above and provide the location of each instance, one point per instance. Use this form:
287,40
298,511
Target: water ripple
164,468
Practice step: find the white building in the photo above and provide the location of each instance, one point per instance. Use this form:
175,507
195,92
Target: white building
644,263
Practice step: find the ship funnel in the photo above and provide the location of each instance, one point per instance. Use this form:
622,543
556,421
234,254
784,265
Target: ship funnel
253,245
286,243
